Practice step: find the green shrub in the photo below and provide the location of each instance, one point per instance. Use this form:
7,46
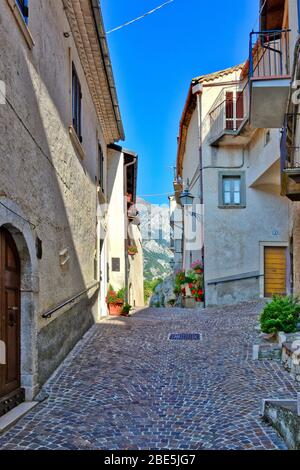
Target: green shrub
150,286
282,314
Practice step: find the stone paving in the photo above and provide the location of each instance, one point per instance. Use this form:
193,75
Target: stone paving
126,386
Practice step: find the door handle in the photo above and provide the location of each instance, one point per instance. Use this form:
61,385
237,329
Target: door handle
14,309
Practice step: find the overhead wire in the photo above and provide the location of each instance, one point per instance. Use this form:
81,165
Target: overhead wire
139,17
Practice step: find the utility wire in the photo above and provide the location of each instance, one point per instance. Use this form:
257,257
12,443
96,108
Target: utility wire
140,17
32,137
260,12
18,215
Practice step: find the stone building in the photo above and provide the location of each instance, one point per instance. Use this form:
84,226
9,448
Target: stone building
126,270
281,89
59,115
238,222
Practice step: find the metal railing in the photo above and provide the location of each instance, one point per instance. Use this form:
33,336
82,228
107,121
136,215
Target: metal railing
269,54
289,151
229,111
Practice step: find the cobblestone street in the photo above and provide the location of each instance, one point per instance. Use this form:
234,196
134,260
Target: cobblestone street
127,386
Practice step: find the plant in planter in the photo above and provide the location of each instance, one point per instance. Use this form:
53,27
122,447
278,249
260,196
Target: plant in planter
115,301
197,267
126,309
282,314
132,250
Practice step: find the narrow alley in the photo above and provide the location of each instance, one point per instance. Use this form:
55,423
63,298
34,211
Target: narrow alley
126,385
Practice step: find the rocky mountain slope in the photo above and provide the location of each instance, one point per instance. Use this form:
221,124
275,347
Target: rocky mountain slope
156,240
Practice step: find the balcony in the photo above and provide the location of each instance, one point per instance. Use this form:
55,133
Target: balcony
290,159
269,71
228,118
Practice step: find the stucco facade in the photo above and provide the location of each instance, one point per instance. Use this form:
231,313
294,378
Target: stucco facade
123,225
234,237
50,199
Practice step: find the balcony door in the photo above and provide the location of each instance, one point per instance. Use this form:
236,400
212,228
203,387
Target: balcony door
234,110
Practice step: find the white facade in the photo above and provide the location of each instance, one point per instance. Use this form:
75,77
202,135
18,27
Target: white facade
234,235
124,270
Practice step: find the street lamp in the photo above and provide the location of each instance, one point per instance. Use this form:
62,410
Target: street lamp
186,198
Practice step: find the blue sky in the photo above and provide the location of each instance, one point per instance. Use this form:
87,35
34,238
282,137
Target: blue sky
154,61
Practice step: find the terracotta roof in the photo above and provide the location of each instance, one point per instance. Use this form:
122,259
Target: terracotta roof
219,74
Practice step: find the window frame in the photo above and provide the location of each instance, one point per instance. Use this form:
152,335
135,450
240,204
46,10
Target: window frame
231,174
76,103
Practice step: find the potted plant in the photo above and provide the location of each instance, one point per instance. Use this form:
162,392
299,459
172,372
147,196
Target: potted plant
125,310
197,267
115,301
132,250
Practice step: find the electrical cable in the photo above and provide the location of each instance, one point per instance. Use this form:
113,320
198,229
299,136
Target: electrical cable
33,138
18,215
140,17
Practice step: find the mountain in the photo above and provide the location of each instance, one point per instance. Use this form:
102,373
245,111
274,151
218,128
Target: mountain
155,228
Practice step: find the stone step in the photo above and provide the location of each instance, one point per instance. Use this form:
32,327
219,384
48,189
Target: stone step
283,416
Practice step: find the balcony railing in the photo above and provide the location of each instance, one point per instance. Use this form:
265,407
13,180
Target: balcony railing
269,54
228,113
290,158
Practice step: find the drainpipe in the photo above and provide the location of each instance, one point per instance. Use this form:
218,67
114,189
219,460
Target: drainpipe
198,91
127,165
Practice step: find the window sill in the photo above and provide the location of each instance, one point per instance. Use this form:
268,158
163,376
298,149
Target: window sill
242,206
21,23
76,143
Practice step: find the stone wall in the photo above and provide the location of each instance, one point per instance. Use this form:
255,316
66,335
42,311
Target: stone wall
46,178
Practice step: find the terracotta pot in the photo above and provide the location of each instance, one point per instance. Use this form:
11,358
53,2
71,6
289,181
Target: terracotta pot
198,271
132,253
115,310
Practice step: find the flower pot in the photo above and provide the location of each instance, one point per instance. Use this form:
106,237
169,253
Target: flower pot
115,310
198,271
132,253
189,302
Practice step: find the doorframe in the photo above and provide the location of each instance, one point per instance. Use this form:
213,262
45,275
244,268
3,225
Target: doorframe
24,238
274,244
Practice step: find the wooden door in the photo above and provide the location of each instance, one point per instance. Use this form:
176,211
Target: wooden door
275,271
9,314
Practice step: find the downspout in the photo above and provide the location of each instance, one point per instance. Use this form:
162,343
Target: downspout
127,165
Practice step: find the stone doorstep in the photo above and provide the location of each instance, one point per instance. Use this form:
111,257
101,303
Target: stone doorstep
10,418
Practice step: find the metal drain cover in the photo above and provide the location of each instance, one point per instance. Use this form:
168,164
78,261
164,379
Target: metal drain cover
185,337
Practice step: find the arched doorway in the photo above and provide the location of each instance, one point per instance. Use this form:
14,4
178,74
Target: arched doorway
11,393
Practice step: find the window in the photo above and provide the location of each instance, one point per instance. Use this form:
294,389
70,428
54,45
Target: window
234,110
101,168
232,191
76,103
23,5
